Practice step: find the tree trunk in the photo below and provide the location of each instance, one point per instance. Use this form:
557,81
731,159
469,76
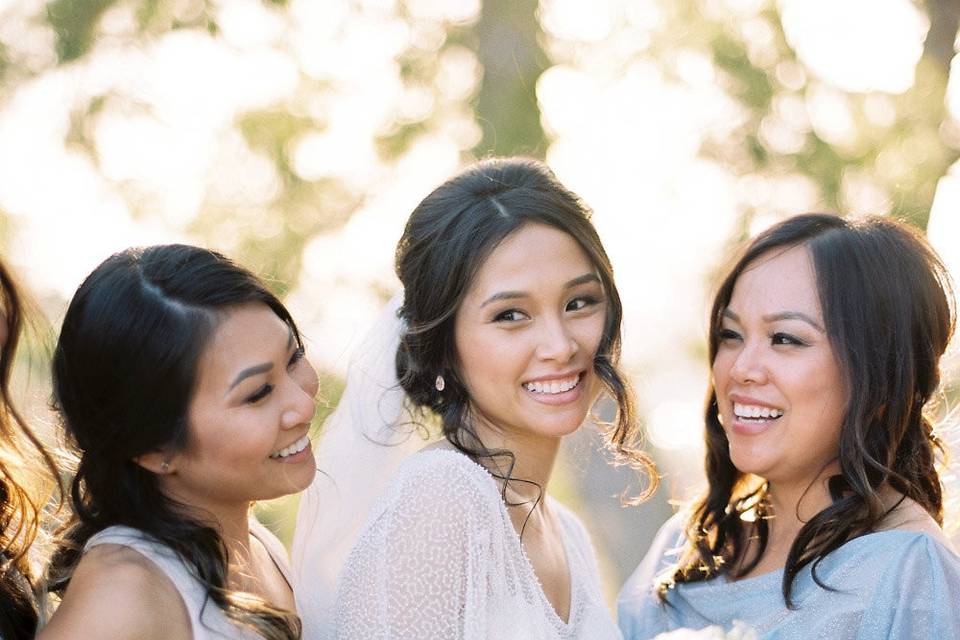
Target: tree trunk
509,51
927,98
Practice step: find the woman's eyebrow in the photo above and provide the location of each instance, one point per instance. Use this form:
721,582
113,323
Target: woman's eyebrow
513,295
250,371
794,315
780,315
259,368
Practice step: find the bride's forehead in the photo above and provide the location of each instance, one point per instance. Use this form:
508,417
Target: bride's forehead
531,255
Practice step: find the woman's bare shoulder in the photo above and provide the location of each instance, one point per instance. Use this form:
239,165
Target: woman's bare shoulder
116,593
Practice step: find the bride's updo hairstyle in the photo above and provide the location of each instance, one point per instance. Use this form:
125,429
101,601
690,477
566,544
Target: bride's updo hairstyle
124,373
447,239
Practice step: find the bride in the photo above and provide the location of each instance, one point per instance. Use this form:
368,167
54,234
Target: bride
508,332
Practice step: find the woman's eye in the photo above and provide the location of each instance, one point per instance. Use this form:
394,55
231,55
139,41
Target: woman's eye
581,303
260,394
297,356
786,338
727,334
510,315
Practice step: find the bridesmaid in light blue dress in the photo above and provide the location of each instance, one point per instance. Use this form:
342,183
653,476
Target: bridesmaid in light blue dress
823,514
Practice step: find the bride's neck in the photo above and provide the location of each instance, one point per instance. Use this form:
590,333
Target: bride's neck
534,457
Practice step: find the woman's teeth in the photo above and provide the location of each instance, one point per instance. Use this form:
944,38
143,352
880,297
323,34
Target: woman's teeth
292,449
553,386
754,412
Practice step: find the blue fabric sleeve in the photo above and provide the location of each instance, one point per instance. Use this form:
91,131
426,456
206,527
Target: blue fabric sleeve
917,597
640,614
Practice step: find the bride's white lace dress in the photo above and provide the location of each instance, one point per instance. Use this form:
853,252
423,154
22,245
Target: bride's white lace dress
439,558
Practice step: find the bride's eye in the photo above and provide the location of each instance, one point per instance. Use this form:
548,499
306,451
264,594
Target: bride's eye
582,302
510,315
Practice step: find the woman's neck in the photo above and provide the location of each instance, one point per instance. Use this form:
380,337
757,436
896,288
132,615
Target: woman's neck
230,521
233,524
534,457
790,505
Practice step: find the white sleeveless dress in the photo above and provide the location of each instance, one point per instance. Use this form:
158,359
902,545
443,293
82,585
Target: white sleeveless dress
206,618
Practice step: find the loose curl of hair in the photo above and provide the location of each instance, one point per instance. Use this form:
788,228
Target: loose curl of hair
889,311
124,373
20,511
447,239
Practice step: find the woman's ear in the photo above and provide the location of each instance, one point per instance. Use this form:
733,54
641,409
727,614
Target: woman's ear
159,462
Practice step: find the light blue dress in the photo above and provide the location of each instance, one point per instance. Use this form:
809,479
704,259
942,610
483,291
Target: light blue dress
890,584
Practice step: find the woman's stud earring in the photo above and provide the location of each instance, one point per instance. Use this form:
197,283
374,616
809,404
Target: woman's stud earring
165,466
439,383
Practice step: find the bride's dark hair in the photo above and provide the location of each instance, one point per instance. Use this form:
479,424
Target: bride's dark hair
889,311
446,241
124,372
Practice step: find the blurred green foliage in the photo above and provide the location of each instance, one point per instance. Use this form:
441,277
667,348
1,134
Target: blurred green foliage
75,24
905,158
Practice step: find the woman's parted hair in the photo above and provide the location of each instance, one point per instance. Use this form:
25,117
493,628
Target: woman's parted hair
889,312
124,373
447,239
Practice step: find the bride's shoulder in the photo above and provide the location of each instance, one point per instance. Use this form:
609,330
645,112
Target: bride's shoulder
444,478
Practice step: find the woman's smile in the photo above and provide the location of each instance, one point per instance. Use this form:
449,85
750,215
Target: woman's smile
556,390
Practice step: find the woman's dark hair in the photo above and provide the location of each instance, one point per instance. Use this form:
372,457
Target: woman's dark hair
446,241
889,311
20,511
124,373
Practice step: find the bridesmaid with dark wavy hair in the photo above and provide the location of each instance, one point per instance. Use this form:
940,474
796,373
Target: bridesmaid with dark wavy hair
823,513
182,384
20,509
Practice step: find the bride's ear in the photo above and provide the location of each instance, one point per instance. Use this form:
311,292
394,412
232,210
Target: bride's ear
160,462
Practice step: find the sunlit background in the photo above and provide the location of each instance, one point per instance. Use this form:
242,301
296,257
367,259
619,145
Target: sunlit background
297,135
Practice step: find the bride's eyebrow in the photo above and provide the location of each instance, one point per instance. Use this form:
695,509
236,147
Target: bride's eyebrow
584,279
513,295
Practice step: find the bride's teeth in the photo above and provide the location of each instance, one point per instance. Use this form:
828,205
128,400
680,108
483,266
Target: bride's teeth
552,387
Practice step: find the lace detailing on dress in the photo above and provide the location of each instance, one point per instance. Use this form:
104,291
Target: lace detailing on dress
439,558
